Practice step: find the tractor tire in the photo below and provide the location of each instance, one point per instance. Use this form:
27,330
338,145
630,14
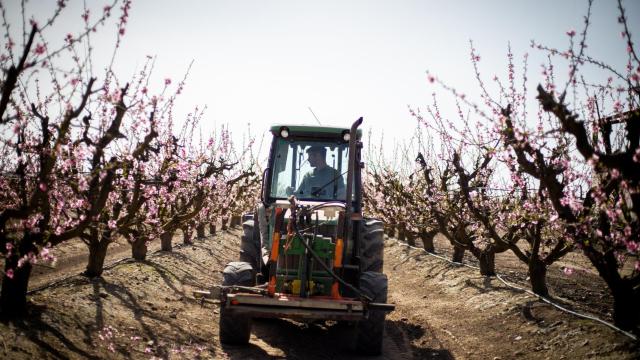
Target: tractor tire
370,331
372,247
250,244
235,329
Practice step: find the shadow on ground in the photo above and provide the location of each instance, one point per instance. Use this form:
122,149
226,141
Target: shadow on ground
332,340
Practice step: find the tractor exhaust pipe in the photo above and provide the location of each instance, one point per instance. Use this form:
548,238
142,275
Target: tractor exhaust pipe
351,170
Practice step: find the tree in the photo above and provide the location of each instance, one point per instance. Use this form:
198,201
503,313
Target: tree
583,159
47,197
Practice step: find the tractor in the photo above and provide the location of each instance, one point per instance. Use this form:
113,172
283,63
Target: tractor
307,252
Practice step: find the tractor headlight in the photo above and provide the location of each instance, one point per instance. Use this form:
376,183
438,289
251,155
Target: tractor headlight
346,136
284,132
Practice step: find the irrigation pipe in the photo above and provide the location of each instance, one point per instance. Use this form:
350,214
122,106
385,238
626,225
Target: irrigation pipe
546,300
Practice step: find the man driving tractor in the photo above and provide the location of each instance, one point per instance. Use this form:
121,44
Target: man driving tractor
323,180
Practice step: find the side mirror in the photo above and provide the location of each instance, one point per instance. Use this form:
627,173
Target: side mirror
264,190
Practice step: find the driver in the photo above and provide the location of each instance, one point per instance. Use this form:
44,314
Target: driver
323,181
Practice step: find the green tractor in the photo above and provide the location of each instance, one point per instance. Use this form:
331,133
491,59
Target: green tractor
307,252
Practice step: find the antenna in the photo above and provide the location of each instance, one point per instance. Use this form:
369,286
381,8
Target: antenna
314,115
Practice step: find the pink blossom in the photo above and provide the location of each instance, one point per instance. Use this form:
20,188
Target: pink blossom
567,271
32,258
45,253
147,350
571,33
40,49
112,224
617,106
615,173
9,246
43,187
627,231
167,81
9,273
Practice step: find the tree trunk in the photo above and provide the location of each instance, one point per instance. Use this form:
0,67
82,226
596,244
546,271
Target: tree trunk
411,239
224,223
538,276
626,297
236,220
13,299
165,241
139,249
626,314
186,235
487,261
200,231
212,229
458,254
427,240
390,231
97,254
402,235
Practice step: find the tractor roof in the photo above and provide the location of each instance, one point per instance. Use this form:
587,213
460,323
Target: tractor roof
310,130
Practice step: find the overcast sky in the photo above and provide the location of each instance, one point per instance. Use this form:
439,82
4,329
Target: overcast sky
262,62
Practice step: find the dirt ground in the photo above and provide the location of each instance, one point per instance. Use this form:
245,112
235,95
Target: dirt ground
146,310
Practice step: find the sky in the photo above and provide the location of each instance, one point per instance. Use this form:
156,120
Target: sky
257,62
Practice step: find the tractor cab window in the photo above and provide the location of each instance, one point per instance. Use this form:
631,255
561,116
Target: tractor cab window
310,170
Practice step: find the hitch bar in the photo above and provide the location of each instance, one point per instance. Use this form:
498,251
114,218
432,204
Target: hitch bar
216,293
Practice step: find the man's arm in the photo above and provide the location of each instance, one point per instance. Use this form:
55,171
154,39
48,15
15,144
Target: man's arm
304,185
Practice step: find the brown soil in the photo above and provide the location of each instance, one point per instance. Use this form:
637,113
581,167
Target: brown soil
444,311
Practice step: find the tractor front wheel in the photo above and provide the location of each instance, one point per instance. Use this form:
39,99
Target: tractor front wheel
370,331
250,244
235,328
372,247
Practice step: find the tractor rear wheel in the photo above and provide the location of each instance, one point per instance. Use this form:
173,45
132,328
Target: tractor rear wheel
235,328
250,244
372,247
370,331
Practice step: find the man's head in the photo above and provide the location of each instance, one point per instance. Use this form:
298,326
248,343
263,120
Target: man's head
317,155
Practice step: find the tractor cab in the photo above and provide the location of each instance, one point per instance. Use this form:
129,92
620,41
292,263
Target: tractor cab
309,162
